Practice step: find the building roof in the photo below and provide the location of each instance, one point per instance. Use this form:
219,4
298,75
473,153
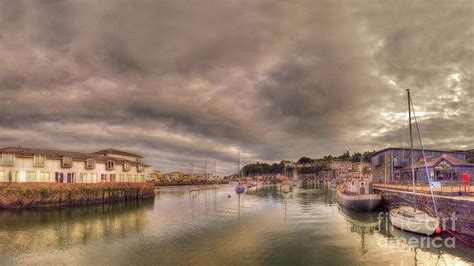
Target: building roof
118,152
428,150
436,161
56,154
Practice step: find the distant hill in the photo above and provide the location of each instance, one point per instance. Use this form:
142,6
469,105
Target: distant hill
470,156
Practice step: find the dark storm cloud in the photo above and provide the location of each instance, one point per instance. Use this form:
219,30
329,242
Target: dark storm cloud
184,81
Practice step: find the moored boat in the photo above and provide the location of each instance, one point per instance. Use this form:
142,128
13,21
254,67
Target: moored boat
239,189
409,218
413,220
359,196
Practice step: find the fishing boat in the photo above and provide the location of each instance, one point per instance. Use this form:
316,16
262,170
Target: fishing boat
410,218
358,194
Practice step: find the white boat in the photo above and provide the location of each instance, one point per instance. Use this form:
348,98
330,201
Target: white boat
410,219
285,188
194,189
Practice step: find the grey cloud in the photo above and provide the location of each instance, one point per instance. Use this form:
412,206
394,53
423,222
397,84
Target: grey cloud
181,81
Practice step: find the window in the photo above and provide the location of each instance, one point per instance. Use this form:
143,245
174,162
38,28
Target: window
30,177
121,178
82,178
90,164
14,176
140,168
109,165
45,177
126,167
8,159
135,178
142,178
93,178
112,177
103,177
129,178
67,162
39,160
2,177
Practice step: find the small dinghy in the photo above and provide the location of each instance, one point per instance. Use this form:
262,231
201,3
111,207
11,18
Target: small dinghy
410,219
239,189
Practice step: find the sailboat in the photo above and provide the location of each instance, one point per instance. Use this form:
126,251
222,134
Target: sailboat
193,188
239,188
285,186
409,218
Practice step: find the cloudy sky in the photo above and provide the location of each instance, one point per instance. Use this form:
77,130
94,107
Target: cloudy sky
182,81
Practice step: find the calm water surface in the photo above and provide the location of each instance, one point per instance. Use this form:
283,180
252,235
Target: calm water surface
263,226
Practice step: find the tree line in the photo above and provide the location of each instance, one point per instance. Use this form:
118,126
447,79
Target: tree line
278,168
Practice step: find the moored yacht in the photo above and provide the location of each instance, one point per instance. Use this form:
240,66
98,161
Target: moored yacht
410,219
358,194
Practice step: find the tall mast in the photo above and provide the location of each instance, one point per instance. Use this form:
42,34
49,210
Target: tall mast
215,169
238,169
411,146
207,174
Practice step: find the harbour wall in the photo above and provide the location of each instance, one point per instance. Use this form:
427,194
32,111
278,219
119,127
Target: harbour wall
33,195
457,208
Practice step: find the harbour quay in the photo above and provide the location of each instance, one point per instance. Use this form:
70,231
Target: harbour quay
453,195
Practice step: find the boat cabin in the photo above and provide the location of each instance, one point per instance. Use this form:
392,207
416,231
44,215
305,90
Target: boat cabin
360,186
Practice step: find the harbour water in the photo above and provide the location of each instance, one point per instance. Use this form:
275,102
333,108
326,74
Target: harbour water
218,227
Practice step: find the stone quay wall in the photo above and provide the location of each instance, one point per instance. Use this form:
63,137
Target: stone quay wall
32,195
461,208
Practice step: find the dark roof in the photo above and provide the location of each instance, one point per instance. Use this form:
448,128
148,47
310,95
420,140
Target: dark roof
56,154
434,162
428,150
118,152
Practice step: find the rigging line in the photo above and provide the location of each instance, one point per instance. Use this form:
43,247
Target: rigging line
424,160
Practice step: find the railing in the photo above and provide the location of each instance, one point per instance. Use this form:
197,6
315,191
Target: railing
445,186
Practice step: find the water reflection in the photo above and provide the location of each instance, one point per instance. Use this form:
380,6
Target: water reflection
36,230
215,227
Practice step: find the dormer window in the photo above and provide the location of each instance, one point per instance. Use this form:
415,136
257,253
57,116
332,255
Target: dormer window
39,160
90,164
140,168
110,165
67,162
8,159
126,167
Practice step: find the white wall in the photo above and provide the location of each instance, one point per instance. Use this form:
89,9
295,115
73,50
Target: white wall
25,165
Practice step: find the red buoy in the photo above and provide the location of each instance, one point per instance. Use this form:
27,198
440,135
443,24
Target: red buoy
438,230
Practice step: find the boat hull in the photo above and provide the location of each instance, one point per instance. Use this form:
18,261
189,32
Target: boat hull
426,226
367,202
239,190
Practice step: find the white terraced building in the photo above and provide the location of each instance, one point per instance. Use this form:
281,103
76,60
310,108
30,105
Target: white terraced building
19,164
